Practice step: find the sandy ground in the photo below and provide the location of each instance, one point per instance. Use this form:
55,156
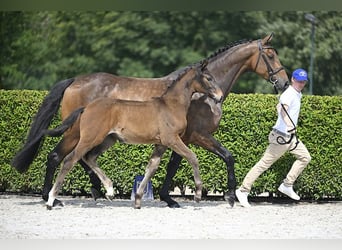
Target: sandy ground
26,217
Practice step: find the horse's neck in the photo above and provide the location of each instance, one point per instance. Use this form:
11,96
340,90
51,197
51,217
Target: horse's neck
229,66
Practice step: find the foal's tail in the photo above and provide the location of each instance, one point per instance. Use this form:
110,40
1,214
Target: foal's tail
67,123
41,121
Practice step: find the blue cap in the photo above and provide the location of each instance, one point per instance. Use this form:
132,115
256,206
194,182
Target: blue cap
300,75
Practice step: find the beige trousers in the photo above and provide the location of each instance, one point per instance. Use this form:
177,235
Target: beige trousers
273,152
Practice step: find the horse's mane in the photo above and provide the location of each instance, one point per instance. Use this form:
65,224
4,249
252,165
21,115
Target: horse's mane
227,47
176,75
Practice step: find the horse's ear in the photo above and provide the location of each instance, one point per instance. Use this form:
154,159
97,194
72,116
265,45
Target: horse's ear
204,64
267,39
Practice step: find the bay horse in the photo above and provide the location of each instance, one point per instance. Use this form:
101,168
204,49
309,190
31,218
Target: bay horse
164,122
227,64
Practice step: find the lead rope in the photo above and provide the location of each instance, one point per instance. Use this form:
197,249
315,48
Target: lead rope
280,139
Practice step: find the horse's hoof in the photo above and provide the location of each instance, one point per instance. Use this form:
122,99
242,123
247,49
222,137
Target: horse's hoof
57,202
231,202
45,197
173,205
96,194
230,197
170,202
48,207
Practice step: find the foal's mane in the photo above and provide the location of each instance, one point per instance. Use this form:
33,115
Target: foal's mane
181,72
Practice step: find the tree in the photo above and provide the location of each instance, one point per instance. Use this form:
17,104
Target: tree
293,37
42,48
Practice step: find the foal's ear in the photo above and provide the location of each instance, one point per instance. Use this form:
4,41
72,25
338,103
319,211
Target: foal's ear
204,64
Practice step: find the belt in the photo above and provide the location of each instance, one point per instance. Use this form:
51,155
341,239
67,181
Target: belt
281,133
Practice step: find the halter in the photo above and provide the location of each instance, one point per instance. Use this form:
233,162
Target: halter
270,71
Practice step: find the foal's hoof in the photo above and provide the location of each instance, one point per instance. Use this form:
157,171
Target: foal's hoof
197,198
109,197
55,203
137,201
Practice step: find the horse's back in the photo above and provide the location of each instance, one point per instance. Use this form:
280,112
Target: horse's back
87,88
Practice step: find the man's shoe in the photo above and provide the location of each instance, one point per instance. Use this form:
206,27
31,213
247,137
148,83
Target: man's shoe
288,191
242,197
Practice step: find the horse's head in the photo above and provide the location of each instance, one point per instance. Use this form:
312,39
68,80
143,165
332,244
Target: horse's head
267,64
207,83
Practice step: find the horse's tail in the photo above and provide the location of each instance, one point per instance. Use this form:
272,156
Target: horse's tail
41,121
67,123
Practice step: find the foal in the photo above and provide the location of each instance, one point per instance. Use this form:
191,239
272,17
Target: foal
164,122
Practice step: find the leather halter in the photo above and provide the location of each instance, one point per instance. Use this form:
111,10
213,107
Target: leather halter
270,70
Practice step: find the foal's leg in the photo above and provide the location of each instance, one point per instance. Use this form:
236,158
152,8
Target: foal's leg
151,168
107,183
84,145
69,162
95,182
63,148
179,146
90,160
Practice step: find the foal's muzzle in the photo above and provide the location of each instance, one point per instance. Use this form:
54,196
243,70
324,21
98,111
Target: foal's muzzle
217,96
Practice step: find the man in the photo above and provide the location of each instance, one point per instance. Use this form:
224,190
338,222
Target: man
282,138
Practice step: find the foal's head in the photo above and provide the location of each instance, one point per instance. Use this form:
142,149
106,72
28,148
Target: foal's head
206,83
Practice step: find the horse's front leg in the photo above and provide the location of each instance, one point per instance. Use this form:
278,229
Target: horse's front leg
171,170
211,144
151,168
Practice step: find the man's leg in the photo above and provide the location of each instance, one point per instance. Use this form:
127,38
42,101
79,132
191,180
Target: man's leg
273,152
303,159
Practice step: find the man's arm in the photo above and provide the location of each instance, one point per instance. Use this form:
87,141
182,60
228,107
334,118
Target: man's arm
284,114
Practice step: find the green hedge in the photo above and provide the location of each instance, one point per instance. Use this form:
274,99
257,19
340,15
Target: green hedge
244,128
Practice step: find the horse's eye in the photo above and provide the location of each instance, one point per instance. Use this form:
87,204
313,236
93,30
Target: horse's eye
209,78
270,56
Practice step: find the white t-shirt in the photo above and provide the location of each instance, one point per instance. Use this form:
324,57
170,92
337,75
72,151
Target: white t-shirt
291,98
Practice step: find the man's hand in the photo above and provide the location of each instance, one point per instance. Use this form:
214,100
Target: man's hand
291,130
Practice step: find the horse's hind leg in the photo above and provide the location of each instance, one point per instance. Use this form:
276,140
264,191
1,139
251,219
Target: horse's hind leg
151,169
171,170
